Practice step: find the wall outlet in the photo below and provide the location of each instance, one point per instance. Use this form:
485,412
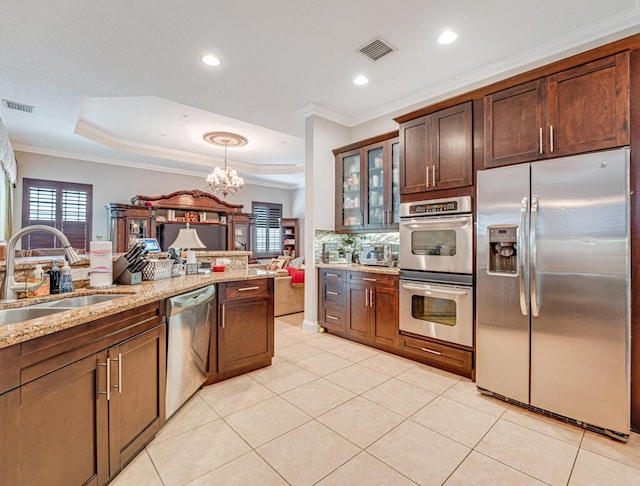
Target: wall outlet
223,261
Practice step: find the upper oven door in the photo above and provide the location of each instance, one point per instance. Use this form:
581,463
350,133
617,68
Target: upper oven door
437,244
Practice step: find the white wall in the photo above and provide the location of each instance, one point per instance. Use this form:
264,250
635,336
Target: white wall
112,183
321,136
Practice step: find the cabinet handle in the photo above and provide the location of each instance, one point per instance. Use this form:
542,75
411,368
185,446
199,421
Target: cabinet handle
108,392
331,275
431,351
551,136
119,385
331,293
371,298
433,175
223,316
332,317
366,297
427,176
540,140
370,279
244,289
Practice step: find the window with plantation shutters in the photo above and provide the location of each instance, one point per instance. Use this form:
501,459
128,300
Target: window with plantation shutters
63,205
268,240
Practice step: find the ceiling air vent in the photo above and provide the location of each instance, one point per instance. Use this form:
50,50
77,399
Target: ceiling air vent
376,49
14,105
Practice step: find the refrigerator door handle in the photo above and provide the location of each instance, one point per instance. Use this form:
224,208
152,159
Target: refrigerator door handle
524,304
535,303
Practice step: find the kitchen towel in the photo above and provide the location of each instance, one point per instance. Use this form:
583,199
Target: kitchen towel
100,264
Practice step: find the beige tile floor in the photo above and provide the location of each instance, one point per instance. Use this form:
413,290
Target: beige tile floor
331,412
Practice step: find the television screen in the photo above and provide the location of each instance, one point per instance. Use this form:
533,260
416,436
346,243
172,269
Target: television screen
213,236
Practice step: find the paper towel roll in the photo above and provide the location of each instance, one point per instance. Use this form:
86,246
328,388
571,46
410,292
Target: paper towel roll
100,264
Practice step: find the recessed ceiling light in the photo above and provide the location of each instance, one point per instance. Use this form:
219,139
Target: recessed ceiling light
360,80
211,60
447,37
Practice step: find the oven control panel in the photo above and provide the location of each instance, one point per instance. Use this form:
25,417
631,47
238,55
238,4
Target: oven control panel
436,207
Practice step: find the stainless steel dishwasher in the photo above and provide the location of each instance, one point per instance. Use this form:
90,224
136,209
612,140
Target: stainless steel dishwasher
189,322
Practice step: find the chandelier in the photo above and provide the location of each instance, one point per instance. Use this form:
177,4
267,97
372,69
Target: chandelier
225,181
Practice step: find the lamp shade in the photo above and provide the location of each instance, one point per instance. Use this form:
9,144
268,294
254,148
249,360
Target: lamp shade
187,238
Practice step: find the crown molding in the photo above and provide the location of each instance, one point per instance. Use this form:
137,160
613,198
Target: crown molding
607,30
140,165
314,109
103,138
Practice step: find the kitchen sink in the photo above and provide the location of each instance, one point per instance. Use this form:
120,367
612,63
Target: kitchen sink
9,316
81,301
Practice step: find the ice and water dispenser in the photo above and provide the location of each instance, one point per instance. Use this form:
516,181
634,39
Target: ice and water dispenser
503,249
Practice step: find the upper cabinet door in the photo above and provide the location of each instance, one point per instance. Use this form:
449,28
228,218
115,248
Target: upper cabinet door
452,160
349,212
415,155
395,183
377,172
588,106
514,124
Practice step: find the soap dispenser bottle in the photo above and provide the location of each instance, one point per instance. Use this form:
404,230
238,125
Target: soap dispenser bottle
66,284
54,279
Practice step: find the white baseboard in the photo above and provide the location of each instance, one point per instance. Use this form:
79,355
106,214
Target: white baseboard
310,326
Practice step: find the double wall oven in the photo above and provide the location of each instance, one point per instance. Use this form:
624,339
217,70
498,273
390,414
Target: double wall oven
436,269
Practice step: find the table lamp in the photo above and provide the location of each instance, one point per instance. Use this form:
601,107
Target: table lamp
188,238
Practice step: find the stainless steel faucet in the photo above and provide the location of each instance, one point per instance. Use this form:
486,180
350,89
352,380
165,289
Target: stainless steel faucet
8,292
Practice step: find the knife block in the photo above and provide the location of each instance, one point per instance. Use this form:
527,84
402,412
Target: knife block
122,275
129,278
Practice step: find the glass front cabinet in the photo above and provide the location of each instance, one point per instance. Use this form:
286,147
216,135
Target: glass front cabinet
368,189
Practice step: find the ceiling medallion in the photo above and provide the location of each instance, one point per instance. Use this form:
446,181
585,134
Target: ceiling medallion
225,181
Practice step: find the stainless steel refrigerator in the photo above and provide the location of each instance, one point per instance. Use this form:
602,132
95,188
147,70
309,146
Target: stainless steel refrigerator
553,287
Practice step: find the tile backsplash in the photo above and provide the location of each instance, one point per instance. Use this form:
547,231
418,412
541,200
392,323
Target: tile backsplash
350,240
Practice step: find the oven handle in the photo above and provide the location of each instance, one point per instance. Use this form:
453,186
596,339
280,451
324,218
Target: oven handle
435,290
414,224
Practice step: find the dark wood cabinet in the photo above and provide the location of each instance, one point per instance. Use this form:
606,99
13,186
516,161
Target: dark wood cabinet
58,427
450,358
368,184
242,232
136,405
333,300
372,307
127,223
437,150
245,330
66,422
579,110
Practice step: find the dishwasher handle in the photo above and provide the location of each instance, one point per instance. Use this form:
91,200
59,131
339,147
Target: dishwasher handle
182,302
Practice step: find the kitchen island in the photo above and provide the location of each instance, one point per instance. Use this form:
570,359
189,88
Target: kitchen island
82,391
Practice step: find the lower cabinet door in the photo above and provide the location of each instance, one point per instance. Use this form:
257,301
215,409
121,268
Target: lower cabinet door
245,335
137,398
55,428
385,320
359,319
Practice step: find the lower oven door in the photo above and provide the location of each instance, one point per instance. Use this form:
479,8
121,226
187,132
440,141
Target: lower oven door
439,311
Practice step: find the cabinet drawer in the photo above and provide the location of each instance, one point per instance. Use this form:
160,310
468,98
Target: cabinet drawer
334,294
333,317
458,358
246,288
373,279
331,276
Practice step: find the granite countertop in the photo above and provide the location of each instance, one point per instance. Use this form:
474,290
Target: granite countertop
144,293
354,267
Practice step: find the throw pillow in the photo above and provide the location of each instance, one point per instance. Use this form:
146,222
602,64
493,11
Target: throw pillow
286,260
275,264
297,262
